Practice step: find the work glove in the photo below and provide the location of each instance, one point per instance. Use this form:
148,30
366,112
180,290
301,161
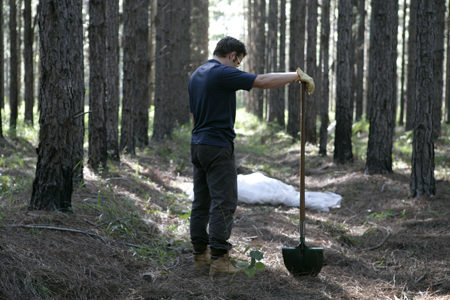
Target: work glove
309,82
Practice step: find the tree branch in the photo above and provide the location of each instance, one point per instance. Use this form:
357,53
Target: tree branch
388,234
33,226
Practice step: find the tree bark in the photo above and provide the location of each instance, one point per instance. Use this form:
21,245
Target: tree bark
359,86
311,69
296,59
2,90
78,92
447,79
250,60
199,33
282,64
325,81
142,101
402,79
382,85
259,21
28,58
438,61
275,106
97,84
13,67
127,142
180,68
60,21
422,175
112,79
152,34
411,69
343,132
172,68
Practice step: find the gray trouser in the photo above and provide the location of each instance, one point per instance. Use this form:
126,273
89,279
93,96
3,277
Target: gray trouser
215,195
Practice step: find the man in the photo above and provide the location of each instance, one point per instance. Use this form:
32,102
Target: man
212,99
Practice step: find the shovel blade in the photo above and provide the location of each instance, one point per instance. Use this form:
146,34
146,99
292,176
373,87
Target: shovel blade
303,260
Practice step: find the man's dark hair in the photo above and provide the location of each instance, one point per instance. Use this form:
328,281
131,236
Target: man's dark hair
229,44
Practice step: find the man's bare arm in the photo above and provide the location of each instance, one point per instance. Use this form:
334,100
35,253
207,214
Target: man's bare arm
274,80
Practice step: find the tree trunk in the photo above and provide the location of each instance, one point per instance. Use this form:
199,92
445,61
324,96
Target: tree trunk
359,86
172,66
311,61
259,21
382,85
324,94
296,59
78,130
199,33
249,64
13,67
163,119
152,34
447,79
19,26
142,101
58,20
275,106
97,84
112,78
28,58
422,176
402,79
343,132
182,57
438,60
282,64
2,90
127,142
411,69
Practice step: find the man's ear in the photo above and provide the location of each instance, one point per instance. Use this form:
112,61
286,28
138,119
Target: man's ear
234,53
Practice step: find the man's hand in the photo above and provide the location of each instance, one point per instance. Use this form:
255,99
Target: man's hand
309,82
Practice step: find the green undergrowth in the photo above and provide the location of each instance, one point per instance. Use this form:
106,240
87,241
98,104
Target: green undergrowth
123,220
17,158
257,137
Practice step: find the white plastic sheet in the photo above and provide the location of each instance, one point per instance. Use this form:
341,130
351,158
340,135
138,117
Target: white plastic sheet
257,188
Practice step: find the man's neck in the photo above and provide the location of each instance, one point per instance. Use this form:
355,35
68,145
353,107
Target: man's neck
224,60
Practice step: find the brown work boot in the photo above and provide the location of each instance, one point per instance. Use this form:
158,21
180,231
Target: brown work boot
222,265
202,260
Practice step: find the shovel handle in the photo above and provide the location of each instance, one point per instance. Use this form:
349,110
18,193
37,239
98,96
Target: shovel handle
302,157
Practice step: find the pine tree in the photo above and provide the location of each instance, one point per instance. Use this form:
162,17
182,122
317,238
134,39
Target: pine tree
382,85
112,79
172,68
13,67
61,44
422,175
325,82
344,108
28,58
296,59
97,84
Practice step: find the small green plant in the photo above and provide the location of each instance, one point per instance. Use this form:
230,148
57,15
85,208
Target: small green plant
379,216
156,252
255,264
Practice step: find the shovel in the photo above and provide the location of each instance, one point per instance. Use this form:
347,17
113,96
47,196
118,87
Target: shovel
303,260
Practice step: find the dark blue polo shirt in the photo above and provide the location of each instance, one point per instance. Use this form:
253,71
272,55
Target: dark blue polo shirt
212,100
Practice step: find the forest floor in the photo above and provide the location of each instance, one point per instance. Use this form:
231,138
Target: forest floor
128,237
